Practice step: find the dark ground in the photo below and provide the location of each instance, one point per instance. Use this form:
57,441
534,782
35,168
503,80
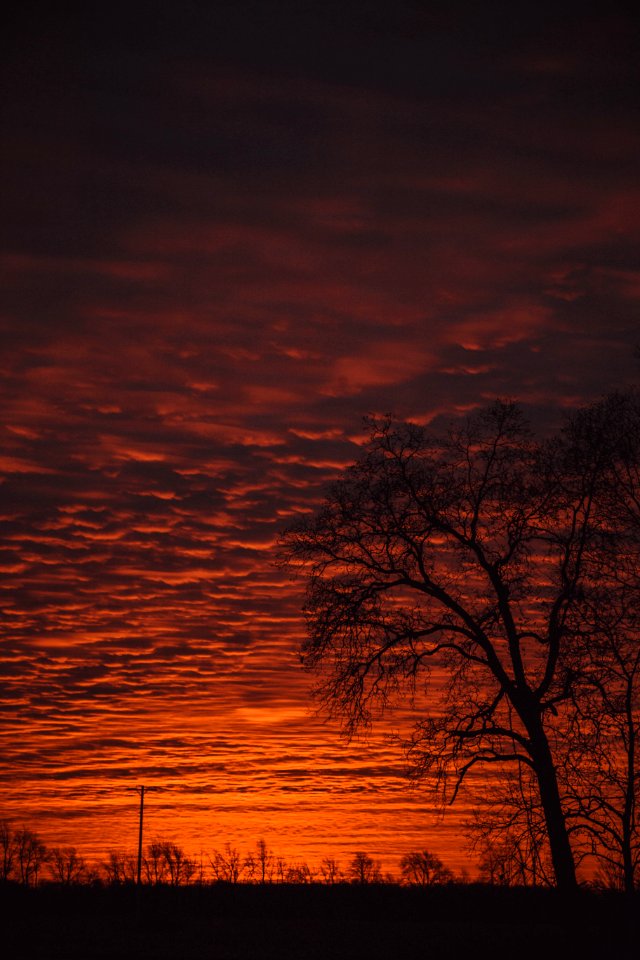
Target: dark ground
313,922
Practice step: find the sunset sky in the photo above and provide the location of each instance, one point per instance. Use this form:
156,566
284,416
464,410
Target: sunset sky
231,231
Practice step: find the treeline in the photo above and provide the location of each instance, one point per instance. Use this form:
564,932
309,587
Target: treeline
26,859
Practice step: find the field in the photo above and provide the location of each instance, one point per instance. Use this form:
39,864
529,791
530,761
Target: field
252,922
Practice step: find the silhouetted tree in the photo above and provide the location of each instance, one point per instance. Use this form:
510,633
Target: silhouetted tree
31,854
7,851
66,866
330,870
363,869
603,773
508,831
227,866
121,867
506,859
154,864
609,876
264,862
250,866
166,862
424,869
499,864
462,552
199,875
600,733
299,873
180,867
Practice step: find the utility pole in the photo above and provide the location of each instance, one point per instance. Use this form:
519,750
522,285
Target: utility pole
141,790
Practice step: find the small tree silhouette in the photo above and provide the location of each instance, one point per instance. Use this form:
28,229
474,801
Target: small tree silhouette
330,870
7,851
363,869
264,862
228,866
180,867
120,867
299,873
66,866
154,863
423,868
31,854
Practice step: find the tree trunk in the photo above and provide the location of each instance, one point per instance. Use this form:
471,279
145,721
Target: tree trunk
628,813
561,853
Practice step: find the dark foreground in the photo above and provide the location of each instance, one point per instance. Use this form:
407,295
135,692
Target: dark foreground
314,923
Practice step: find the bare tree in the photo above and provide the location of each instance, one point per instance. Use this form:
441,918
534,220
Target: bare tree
31,854
154,862
199,875
609,876
250,866
330,870
66,866
597,758
601,773
507,859
180,867
364,869
423,868
7,851
121,867
299,873
227,866
500,863
507,830
605,783
264,862
463,554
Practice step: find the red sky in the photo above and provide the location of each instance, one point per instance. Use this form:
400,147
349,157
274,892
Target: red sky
229,233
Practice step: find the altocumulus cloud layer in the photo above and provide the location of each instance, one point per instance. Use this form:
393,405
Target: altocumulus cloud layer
227,236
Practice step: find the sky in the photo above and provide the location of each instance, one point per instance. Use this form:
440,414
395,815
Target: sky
229,233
